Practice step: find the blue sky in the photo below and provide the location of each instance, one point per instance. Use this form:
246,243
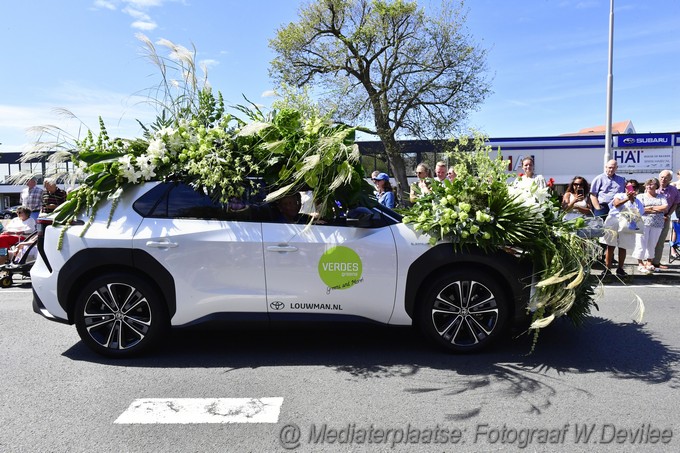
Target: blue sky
547,60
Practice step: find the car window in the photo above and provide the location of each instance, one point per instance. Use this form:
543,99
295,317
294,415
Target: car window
176,201
373,217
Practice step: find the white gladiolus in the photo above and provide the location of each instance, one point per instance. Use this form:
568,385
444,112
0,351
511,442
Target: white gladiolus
156,149
128,170
146,167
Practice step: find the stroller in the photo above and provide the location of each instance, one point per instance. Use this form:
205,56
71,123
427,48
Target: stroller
674,252
21,257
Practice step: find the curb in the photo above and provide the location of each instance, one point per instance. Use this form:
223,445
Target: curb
669,276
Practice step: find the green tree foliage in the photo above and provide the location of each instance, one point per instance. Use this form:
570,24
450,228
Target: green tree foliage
386,65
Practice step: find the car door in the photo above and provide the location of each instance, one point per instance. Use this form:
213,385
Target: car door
216,264
329,270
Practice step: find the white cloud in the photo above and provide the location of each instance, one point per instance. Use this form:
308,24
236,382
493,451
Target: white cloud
103,4
208,63
269,94
136,14
137,9
144,4
146,26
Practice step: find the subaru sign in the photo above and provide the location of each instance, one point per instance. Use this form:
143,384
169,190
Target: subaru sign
644,140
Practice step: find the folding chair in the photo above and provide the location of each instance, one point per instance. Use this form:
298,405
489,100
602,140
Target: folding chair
674,252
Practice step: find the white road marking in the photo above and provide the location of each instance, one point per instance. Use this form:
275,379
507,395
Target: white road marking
201,410
650,285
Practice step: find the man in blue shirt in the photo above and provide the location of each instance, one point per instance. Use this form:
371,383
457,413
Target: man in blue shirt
605,186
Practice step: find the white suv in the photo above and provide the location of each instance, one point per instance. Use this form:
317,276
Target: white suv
173,257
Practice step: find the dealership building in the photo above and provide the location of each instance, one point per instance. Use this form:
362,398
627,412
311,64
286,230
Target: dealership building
640,156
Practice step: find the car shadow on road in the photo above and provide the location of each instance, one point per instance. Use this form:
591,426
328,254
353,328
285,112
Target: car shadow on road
534,381
622,350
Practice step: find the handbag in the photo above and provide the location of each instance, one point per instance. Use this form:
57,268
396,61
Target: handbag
628,222
594,228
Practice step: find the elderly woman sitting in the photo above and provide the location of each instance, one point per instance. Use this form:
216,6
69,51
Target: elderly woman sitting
19,228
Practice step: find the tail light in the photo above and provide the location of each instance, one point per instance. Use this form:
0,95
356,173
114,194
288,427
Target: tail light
41,224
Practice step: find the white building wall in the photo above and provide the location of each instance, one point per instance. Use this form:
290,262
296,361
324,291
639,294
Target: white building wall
562,158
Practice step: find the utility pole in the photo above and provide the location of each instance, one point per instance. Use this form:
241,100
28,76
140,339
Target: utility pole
610,82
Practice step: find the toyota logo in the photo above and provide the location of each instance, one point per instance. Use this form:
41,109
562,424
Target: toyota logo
277,305
628,140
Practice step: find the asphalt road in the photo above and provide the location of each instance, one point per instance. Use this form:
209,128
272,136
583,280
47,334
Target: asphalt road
370,389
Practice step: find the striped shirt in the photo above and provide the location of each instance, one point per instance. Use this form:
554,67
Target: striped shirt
32,198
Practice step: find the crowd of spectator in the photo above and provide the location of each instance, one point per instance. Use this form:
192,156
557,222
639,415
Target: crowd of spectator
35,202
637,216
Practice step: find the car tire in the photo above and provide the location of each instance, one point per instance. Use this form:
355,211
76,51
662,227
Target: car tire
463,311
120,315
6,281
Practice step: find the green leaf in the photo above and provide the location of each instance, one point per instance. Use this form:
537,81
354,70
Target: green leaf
93,157
105,184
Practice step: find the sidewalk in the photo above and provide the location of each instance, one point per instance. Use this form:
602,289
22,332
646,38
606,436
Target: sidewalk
665,276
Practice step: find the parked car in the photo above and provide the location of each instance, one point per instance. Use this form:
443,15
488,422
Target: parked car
171,257
10,212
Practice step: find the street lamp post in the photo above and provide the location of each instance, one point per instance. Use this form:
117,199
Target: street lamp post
610,82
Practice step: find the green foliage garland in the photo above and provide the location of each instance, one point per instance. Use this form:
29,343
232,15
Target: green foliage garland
480,208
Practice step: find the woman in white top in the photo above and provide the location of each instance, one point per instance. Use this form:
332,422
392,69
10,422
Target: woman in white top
17,229
529,176
655,205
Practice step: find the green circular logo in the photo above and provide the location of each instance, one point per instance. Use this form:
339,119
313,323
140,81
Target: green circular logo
340,267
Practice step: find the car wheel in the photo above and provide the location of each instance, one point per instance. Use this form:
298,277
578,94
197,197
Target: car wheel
464,311
120,315
7,216
6,281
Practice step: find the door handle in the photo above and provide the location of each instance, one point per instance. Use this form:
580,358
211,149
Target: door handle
161,244
281,248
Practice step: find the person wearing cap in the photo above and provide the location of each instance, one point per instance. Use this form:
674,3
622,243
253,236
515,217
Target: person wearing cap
384,190
373,176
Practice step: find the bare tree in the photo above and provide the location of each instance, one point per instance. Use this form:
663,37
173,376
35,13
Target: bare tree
387,66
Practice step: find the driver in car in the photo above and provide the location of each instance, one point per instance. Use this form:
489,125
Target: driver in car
288,209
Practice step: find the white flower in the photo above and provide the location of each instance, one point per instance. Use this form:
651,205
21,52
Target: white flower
146,167
165,132
128,170
156,149
175,144
131,174
125,161
527,199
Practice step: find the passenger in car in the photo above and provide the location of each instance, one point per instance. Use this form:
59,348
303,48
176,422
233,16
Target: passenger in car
384,190
288,209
